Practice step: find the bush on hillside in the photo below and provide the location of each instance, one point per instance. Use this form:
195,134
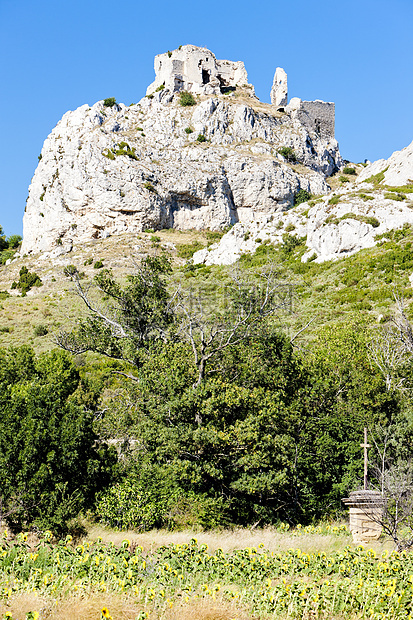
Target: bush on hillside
26,281
109,102
186,99
288,153
348,170
301,196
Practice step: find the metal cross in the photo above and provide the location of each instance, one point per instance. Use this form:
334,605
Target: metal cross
365,445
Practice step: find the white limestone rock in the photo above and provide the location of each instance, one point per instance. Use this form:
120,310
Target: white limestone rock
331,230
108,170
398,169
279,90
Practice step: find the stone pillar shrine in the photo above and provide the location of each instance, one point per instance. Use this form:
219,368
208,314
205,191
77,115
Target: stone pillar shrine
366,508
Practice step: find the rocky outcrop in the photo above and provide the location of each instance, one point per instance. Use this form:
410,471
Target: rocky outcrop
157,164
333,226
397,170
279,90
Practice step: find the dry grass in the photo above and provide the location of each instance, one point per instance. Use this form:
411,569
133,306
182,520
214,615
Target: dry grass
54,305
20,604
120,607
228,540
204,609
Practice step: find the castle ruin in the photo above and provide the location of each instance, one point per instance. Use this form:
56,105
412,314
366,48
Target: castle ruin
196,70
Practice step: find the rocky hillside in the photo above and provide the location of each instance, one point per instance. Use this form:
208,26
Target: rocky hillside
367,203
201,152
203,162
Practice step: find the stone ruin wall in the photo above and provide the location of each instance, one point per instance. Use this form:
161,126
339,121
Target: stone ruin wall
318,116
196,70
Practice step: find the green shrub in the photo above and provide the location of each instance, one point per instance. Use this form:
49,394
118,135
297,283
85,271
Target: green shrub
301,196
187,250
290,227
40,330
4,295
161,87
367,219
406,189
396,234
213,236
290,243
88,261
155,239
149,230
169,54
201,138
189,130
344,179
391,196
125,149
186,99
378,178
5,255
334,200
109,102
373,221
98,264
365,197
149,187
109,154
26,281
349,170
288,153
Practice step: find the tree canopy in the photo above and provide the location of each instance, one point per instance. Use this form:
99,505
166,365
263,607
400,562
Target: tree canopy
50,464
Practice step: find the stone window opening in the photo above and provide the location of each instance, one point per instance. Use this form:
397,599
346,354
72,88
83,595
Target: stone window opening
205,76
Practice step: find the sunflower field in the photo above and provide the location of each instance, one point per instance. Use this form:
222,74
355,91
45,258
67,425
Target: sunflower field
354,582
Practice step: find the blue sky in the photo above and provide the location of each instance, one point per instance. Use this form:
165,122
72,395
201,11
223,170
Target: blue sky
57,56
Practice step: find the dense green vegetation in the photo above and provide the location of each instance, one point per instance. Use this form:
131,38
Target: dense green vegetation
221,412
50,466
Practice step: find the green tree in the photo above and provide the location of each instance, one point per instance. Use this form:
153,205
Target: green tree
134,315
50,465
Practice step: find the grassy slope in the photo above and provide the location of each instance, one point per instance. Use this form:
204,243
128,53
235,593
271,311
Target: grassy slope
360,286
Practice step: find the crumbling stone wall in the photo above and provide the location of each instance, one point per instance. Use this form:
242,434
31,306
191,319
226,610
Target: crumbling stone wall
196,70
318,116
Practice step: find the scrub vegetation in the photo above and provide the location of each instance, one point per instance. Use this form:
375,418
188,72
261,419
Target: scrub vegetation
199,398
